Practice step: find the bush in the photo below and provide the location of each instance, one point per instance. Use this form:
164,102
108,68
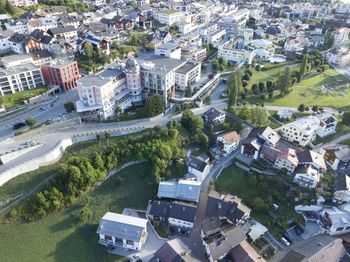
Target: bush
246,77
244,83
69,106
243,95
261,87
301,108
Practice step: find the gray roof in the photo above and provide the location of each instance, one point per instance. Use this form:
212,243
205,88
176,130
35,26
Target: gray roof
341,152
183,190
319,248
161,64
61,30
197,164
174,251
238,253
186,68
122,226
222,241
93,81
173,209
18,69
340,182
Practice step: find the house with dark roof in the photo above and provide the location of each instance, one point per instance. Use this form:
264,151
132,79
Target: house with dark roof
198,168
337,156
186,190
245,253
319,248
342,188
258,137
219,242
67,32
175,213
174,251
16,42
214,117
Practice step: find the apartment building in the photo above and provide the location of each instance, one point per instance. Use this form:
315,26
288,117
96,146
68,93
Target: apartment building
194,53
302,131
169,17
169,49
64,73
234,51
187,74
234,21
19,78
23,2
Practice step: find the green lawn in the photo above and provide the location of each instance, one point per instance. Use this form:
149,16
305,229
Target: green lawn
16,99
308,92
58,238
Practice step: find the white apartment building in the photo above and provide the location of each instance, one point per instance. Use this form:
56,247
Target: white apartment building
233,51
215,37
206,30
328,124
187,74
158,76
198,168
338,55
43,23
19,78
185,28
234,21
228,142
169,17
5,35
263,49
18,26
169,49
302,131
122,231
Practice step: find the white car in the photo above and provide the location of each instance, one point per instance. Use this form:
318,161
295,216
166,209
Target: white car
285,241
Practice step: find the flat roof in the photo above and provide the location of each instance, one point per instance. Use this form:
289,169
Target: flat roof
93,81
129,220
188,66
160,64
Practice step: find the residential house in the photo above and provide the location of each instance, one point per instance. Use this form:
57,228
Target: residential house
336,156
328,124
174,251
218,243
159,38
258,137
263,49
16,43
187,190
287,159
41,57
228,142
284,114
233,51
68,33
302,131
63,73
98,43
18,26
175,213
5,35
169,17
117,230
214,117
341,35
186,75
338,55
245,253
198,168
335,220
310,168
319,248
25,3
235,20
342,188
215,37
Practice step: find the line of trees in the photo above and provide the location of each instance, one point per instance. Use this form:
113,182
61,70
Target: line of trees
79,175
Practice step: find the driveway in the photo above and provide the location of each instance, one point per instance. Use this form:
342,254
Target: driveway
311,229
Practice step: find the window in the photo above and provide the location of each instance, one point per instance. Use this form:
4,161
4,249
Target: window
108,238
129,242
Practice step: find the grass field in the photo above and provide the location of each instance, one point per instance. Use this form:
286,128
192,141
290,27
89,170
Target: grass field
58,238
16,99
308,92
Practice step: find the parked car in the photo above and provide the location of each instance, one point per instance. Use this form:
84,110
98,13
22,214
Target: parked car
18,125
285,241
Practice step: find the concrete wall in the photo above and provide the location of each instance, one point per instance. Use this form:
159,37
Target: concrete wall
51,157
21,151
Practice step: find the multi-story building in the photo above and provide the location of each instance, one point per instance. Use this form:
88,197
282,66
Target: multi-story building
194,53
64,73
234,51
169,17
302,131
234,21
172,50
341,35
187,74
287,159
4,40
338,55
228,142
158,76
215,37
68,32
19,78
337,156
328,124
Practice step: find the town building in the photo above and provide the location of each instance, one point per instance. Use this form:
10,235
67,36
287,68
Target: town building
318,248
258,137
169,17
337,156
342,188
335,220
174,250
187,190
287,159
234,21
228,142
19,78
23,3
233,51
63,73
116,230
215,37
338,55
194,53
341,35
169,49
214,117
302,131
186,75
198,167
328,124
68,33
175,213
